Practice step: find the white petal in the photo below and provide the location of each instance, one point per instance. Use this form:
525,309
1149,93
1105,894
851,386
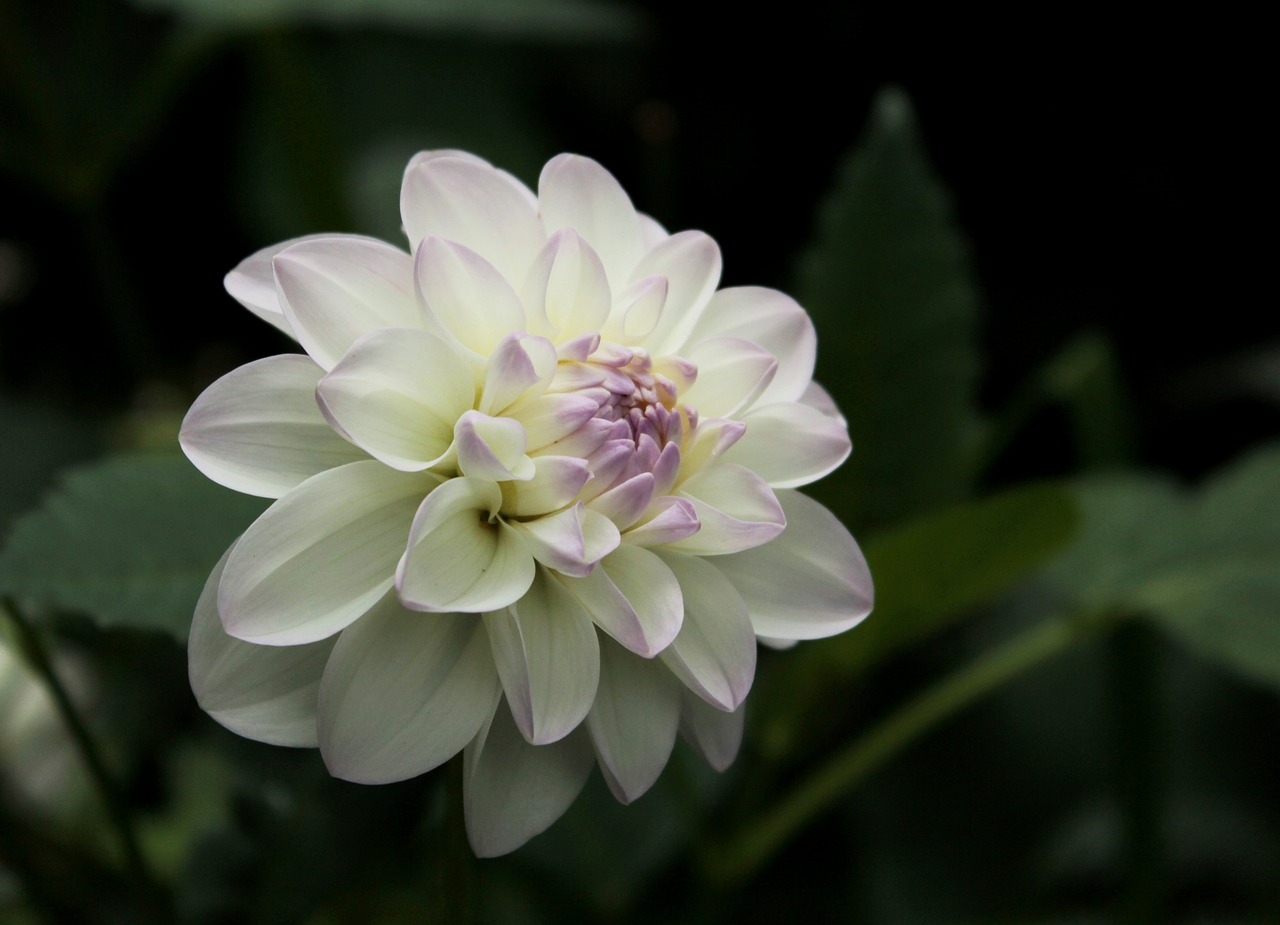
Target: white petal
637,310
709,441
397,394
714,734
820,400
466,296
334,290
576,192
810,582
258,428
423,156
403,693
556,482
491,448
669,520
735,508
691,263
567,286
549,418
789,444
654,233
320,556
520,363
253,283
483,209
732,373
580,443
459,557
571,541
714,653
634,598
633,721
266,693
774,321
625,503
514,790
547,656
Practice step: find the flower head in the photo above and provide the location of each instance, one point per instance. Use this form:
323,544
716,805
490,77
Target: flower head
535,483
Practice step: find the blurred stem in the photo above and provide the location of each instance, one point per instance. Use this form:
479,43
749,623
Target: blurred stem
1084,378
739,857
37,657
1138,732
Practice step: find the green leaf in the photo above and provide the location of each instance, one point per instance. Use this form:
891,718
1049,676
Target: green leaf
320,151
1230,615
40,441
129,541
891,291
1204,566
935,570
929,574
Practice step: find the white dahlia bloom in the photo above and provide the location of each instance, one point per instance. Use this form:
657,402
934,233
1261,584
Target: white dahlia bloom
536,483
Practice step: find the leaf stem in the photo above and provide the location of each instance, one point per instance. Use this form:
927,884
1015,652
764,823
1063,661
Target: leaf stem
37,657
740,856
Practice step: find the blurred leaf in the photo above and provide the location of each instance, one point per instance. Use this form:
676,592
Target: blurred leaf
1085,379
890,288
1131,527
929,574
1204,567
604,854
333,122
129,541
522,19
938,568
40,442
199,784
1231,615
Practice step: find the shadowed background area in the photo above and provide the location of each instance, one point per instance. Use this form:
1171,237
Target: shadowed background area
1035,303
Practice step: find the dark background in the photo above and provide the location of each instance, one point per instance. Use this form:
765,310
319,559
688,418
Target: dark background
1106,176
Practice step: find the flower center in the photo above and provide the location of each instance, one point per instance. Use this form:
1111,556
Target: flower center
643,397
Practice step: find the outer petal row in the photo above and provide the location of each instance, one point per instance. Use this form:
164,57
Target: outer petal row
545,648
403,693
397,393
258,429
810,582
334,290
267,693
321,556
465,200
513,790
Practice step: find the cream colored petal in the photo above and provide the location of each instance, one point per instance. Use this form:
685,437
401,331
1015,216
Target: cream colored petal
259,430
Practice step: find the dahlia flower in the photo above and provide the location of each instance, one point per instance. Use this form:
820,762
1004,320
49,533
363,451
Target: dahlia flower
536,484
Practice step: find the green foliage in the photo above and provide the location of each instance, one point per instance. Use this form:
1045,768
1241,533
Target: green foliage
929,573
49,441
891,291
327,154
1203,566
935,569
129,541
